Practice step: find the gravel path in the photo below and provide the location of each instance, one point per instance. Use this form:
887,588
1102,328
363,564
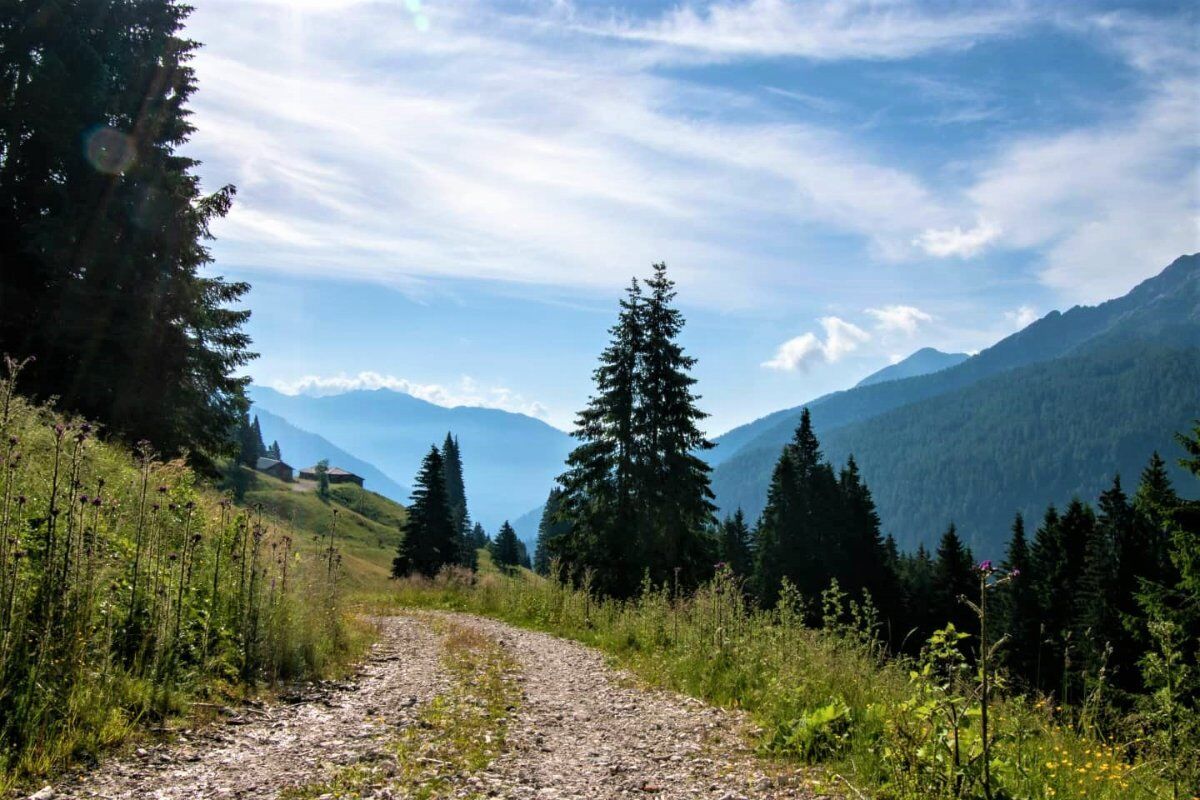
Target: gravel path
261,751
583,731
586,730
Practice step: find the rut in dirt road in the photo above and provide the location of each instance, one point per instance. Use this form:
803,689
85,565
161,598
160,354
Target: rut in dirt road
582,731
585,732
285,745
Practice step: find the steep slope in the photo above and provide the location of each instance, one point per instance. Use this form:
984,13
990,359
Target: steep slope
1164,305
509,460
1122,375
303,449
925,361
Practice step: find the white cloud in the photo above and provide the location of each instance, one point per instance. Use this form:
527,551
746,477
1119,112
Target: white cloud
548,149
486,149
1021,317
899,318
468,391
956,241
1108,205
841,338
821,29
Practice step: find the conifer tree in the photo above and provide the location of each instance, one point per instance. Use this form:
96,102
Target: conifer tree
636,494
954,578
920,608
506,550
274,452
430,541
479,537
735,546
598,486
779,553
675,500
457,497
248,442
1019,614
862,559
551,530
1059,552
260,446
104,228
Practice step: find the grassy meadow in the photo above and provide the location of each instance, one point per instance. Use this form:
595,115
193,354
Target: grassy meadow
131,588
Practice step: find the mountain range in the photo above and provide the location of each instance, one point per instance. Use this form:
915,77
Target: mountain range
509,460
1055,410
1052,411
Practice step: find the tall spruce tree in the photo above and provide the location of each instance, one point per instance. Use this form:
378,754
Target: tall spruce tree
430,541
635,493
506,549
674,497
735,546
1019,614
954,578
862,563
599,484
103,226
552,529
456,495
805,532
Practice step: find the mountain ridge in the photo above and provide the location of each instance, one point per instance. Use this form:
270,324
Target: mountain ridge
509,459
1160,314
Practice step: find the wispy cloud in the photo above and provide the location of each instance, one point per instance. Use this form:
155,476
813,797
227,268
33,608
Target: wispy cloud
957,241
478,149
548,148
467,392
821,29
899,318
841,339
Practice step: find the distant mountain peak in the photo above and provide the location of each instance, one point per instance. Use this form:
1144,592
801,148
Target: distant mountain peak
922,362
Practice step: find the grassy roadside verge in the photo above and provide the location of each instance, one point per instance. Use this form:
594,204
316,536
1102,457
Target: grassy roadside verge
896,730
457,734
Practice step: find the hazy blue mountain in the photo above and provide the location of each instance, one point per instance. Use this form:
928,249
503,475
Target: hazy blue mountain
300,449
1103,370
509,460
923,362
526,526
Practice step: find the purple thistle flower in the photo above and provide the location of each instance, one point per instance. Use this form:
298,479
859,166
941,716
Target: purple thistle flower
985,566
1016,573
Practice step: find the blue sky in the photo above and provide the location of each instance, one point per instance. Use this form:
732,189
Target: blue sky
447,197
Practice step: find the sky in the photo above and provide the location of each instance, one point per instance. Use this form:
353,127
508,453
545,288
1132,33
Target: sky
448,197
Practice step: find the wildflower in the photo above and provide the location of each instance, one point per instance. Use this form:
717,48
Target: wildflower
12,441
162,489
985,566
1016,573
59,430
21,499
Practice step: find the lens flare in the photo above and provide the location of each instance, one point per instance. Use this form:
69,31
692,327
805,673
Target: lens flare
109,150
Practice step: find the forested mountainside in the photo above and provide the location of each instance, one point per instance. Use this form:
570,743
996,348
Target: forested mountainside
987,404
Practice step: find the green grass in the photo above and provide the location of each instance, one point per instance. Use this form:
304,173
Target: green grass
368,530
827,697
131,588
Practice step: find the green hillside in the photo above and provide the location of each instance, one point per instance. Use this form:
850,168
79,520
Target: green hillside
368,524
